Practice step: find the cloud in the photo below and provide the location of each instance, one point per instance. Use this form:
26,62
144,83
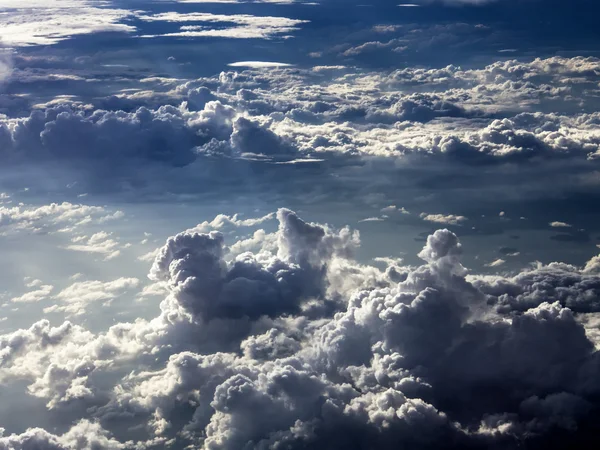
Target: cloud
52,217
42,292
368,369
76,298
574,287
258,64
449,219
260,117
559,225
237,26
331,351
84,435
222,220
101,243
36,22
496,263
207,287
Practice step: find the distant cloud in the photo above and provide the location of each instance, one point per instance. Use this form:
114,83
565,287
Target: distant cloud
258,64
41,292
496,263
76,298
237,26
39,22
449,219
372,219
394,209
102,243
560,225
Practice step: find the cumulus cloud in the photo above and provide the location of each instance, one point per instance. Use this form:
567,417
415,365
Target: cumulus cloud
285,321
76,298
101,243
223,220
85,435
52,217
389,362
41,291
412,115
449,219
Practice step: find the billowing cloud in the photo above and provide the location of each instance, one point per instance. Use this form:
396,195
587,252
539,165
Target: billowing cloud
330,365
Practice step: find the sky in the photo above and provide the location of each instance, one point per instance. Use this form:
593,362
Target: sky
291,225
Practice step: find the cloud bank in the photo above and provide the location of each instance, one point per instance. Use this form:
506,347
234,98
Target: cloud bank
333,353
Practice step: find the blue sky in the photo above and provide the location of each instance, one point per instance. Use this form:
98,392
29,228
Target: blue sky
375,221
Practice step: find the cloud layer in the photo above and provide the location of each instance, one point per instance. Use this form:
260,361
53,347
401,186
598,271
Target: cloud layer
333,353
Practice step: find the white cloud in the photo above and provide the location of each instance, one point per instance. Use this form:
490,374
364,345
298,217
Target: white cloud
148,257
559,225
239,26
51,217
496,263
42,292
76,298
102,243
449,219
222,220
38,22
258,64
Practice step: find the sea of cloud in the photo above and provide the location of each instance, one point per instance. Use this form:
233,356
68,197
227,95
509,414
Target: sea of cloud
287,342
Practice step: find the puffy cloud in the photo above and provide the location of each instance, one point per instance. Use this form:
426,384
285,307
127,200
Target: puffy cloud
63,133
449,219
52,217
391,364
223,220
40,293
205,285
250,137
412,115
101,243
84,435
574,287
57,360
